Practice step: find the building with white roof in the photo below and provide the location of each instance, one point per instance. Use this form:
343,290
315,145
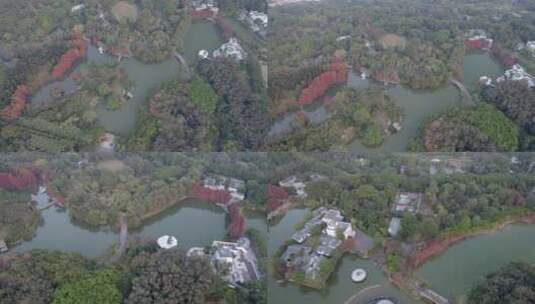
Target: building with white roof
517,73
231,49
235,261
167,242
77,8
394,227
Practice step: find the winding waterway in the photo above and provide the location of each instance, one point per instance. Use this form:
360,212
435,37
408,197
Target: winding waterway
466,264
193,222
417,105
145,77
451,274
202,35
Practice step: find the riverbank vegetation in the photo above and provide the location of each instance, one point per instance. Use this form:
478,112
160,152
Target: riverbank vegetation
145,274
412,43
514,283
108,85
240,113
18,218
367,115
460,129
179,117
37,36
97,189
516,101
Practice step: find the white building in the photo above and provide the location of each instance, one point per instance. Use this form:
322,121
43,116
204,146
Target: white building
258,18
232,185
235,261
107,142
195,251
293,182
530,46
517,73
203,54
231,49
394,227
77,8
334,221
341,38
345,227
485,81
167,242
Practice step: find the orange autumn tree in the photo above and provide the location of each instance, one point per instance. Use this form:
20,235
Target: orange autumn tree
18,101
77,51
336,74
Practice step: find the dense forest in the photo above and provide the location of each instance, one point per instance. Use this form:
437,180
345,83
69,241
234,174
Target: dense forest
241,114
413,43
179,117
459,129
368,115
144,274
45,41
514,283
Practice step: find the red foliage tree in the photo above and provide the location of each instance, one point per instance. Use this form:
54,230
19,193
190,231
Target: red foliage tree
433,248
275,195
210,195
202,14
273,204
224,28
501,54
336,74
275,192
18,179
477,44
236,228
77,51
18,101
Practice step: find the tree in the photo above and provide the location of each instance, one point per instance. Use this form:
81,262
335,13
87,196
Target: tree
514,283
97,287
170,277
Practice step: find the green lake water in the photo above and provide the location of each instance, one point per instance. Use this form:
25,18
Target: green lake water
466,264
202,35
340,287
145,77
194,223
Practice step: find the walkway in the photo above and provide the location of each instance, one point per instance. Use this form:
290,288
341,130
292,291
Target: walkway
123,237
183,62
466,97
354,300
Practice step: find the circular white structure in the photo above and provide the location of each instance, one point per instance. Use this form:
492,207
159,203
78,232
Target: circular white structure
359,275
167,242
385,301
203,54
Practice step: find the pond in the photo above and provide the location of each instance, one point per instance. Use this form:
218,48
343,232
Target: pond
315,114
417,105
476,65
340,287
193,222
145,77
466,264
201,35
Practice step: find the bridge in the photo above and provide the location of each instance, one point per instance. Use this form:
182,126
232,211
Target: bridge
182,62
466,97
123,237
433,297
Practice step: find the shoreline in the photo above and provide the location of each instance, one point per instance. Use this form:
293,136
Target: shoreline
449,239
412,286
